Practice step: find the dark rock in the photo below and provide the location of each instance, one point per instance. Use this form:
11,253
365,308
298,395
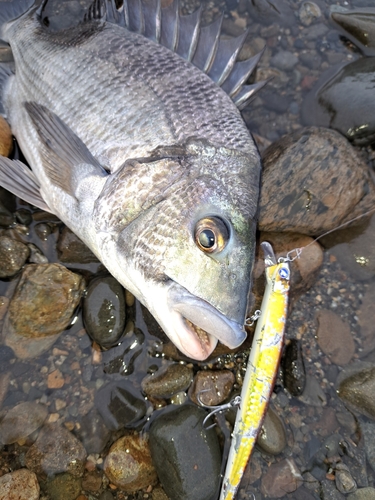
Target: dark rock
294,368
71,249
24,216
56,450
128,464
358,390
104,311
357,25
186,456
334,337
21,421
212,387
272,437
168,381
313,394
310,196
329,491
13,255
281,478
120,405
344,480
368,432
342,100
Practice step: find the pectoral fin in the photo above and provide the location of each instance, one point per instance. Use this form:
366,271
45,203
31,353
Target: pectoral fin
19,180
66,159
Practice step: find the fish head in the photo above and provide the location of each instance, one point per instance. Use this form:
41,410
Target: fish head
193,249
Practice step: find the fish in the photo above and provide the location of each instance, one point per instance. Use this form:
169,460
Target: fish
130,123
261,370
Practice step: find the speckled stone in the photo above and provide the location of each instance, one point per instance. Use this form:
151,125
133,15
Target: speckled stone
168,381
20,484
211,387
13,255
64,487
358,390
128,464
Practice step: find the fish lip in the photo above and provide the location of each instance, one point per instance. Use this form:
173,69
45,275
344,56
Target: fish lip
187,307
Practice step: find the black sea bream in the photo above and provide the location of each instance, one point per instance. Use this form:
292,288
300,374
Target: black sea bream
131,127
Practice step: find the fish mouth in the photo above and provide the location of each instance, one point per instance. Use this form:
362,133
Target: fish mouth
198,325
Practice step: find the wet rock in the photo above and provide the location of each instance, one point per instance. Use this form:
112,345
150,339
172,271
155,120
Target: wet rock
64,487
6,140
329,491
358,390
313,394
104,311
212,387
13,255
7,206
93,432
4,384
357,25
21,484
186,456
56,450
71,249
284,60
121,359
304,270
4,303
294,368
281,478
92,481
310,197
21,421
168,381
24,216
308,13
271,12
159,494
342,100
368,433
128,464
363,494
41,308
120,405
355,249
344,480
272,437
366,320
334,337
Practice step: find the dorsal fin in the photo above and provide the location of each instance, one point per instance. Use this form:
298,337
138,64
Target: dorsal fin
184,35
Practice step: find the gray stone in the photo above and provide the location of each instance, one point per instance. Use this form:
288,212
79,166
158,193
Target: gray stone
56,450
308,13
363,494
21,421
284,60
358,390
368,431
186,456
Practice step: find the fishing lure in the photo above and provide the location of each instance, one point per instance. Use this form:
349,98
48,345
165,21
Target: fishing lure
261,370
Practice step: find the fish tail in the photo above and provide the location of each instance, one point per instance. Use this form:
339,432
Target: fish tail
12,10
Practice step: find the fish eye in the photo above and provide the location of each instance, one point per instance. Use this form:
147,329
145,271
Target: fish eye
211,234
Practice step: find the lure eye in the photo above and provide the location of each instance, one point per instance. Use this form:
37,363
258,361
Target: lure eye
211,234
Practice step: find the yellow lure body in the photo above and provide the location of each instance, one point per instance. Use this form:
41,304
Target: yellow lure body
260,374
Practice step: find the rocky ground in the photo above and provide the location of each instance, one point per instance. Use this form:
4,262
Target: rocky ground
80,422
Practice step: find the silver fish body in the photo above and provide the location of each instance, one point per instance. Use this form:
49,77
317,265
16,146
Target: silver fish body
147,160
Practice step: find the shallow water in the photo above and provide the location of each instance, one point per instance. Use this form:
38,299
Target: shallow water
341,284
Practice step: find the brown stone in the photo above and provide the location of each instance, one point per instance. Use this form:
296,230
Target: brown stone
128,464
55,380
281,478
302,188
211,387
6,140
21,484
334,337
366,320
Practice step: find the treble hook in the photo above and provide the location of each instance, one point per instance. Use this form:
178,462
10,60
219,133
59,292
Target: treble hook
236,401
